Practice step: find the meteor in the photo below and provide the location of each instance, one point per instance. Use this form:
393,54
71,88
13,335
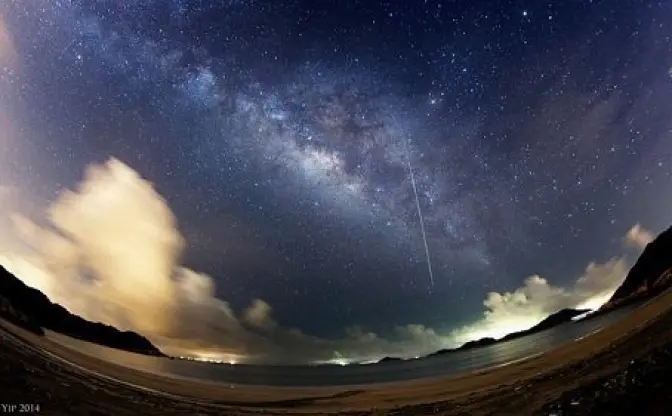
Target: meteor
420,216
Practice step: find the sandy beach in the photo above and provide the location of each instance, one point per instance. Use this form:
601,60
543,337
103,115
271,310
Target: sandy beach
37,370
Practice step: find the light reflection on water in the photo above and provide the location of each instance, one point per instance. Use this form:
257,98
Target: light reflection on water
441,365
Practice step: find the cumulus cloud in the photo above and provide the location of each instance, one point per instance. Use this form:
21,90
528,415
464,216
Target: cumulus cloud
537,298
259,315
111,253
638,237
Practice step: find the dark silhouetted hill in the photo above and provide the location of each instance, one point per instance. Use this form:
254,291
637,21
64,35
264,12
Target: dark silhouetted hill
558,318
389,360
483,342
650,276
32,310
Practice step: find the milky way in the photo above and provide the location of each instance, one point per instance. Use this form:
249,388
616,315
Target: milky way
279,132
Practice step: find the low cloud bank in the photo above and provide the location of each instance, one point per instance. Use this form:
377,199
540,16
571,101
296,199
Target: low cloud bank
112,253
537,298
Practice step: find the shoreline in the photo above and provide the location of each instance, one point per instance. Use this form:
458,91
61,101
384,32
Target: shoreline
471,390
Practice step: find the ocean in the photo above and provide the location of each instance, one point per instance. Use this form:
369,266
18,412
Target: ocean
451,364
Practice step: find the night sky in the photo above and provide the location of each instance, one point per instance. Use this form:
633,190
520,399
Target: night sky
280,134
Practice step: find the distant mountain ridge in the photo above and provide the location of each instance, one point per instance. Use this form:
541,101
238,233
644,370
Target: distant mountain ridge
30,309
558,318
650,276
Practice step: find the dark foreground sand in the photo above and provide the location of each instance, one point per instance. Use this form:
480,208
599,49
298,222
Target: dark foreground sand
623,370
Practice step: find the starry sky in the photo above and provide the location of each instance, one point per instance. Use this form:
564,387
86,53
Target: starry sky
281,134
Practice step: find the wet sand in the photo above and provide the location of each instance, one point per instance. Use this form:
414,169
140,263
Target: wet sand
33,371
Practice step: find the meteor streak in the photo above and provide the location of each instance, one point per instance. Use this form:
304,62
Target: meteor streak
420,217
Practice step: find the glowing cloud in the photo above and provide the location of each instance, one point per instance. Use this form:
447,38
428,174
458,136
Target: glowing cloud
537,298
638,237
